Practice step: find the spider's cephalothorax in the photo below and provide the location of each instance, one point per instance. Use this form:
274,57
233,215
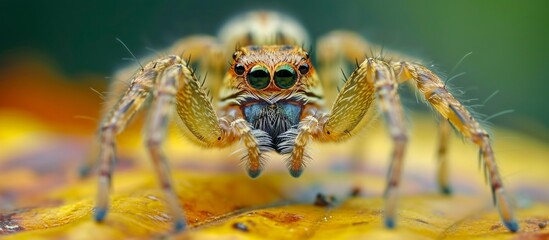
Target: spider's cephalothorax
271,98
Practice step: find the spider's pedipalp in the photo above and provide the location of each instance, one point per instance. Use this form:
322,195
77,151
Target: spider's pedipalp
295,142
255,142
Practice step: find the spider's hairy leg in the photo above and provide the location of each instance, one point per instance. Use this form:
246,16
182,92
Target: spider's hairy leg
164,94
201,125
349,115
337,53
435,92
201,49
386,85
115,122
342,50
204,50
442,157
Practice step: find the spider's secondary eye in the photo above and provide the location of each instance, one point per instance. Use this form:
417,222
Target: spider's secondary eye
239,69
258,77
285,77
304,68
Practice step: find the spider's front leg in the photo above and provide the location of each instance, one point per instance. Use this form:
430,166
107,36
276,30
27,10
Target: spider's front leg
353,102
170,80
157,77
435,92
201,125
204,50
348,116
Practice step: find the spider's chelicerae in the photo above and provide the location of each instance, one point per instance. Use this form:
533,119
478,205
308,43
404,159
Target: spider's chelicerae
271,98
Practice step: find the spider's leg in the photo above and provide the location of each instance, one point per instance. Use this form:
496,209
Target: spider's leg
201,125
386,86
337,51
116,121
349,114
203,50
435,92
162,104
343,50
347,117
442,157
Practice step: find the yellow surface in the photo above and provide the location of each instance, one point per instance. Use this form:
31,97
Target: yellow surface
222,202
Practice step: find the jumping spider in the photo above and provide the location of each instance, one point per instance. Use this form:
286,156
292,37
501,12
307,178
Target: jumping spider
271,99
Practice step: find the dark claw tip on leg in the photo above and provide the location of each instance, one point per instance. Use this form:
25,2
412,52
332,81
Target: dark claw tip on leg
179,225
446,190
296,173
389,223
512,225
84,171
100,214
254,173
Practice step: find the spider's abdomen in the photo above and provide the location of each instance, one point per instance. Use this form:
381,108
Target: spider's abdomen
274,119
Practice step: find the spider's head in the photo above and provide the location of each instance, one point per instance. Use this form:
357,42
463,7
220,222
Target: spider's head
272,71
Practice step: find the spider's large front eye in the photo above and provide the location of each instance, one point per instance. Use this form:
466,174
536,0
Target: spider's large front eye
258,77
285,77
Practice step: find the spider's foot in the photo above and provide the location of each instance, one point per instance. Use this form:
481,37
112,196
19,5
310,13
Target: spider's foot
296,172
512,225
254,173
84,170
389,222
446,190
505,210
100,214
179,225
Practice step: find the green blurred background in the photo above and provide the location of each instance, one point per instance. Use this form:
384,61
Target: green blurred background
509,39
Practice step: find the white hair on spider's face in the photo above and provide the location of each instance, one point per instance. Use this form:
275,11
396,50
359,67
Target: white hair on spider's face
263,28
